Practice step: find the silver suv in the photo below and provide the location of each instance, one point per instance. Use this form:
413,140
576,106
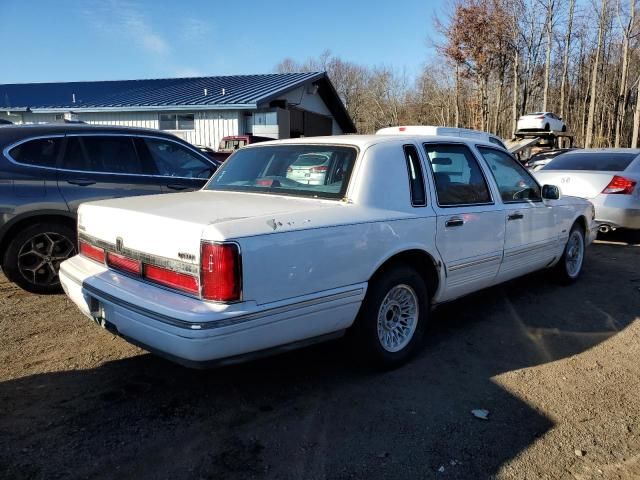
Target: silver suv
46,171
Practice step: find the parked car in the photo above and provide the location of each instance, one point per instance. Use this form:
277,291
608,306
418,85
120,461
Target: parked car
257,262
230,144
310,168
540,159
608,177
547,121
46,171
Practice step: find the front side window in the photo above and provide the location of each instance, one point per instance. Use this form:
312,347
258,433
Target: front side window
174,160
176,121
319,171
457,175
514,182
42,152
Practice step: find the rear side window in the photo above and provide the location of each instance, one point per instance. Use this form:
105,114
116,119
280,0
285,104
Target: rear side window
416,180
495,141
596,161
112,155
42,152
457,175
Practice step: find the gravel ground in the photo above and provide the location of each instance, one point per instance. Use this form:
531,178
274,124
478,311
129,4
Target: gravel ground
556,367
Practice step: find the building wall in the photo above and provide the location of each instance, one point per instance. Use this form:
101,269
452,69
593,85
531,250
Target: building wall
301,98
210,126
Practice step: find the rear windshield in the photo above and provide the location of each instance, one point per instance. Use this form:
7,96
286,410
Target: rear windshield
597,161
275,170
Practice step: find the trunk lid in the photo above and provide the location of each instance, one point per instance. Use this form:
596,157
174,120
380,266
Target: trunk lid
172,225
577,183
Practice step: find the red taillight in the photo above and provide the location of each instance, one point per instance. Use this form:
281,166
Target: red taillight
220,272
320,169
620,185
169,278
89,251
124,263
540,117
402,129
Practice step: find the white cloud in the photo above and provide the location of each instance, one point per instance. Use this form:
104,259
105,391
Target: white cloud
124,18
194,29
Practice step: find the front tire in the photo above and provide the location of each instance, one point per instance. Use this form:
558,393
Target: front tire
392,320
34,255
569,267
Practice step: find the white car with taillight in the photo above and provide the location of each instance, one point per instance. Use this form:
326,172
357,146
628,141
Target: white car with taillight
259,262
547,121
607,177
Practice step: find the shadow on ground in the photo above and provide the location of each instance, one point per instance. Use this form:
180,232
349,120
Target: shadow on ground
311,413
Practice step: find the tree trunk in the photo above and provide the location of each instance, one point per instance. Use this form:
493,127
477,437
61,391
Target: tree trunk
636,119
621,101
457,108
565,60
547,62
514,105
594,79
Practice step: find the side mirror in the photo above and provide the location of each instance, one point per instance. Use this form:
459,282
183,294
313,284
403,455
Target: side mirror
550,192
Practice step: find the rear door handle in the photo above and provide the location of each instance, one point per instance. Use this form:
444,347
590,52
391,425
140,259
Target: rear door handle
515,216
81,182
176,186
454,222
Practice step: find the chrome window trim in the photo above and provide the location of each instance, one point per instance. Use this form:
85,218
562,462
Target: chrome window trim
7,149
435,190
345,194
422,180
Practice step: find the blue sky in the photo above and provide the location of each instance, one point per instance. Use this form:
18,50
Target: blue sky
67,40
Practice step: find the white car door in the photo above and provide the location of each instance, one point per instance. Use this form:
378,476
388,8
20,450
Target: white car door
470,223
532,237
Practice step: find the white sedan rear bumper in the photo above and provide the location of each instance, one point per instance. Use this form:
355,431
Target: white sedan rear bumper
197,333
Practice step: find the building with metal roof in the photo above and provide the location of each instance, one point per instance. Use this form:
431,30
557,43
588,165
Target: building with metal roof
201,110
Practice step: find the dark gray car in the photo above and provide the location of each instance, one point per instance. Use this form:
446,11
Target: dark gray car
46,171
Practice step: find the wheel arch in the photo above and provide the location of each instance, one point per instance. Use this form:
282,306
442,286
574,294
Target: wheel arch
424,262
582,221
23,221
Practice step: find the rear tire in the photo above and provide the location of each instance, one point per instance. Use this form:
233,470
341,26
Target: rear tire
547,127
34,254
568,269
393,317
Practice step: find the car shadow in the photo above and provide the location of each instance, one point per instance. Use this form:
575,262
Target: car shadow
313,414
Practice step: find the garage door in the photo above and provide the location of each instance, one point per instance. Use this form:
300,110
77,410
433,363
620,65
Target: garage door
309,124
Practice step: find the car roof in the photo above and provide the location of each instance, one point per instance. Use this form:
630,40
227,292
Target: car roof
12,133
365,141
603,150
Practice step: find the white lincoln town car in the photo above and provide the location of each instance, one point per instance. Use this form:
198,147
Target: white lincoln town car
260,260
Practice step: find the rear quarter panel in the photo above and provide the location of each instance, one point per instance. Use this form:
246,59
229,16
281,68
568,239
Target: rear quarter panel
285,265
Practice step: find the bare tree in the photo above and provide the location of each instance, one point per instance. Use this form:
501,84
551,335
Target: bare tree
594,76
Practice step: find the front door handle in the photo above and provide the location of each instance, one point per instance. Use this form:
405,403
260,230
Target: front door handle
176,186
515,216
81,182
454,222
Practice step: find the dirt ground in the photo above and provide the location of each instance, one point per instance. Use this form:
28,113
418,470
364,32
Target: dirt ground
558,369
